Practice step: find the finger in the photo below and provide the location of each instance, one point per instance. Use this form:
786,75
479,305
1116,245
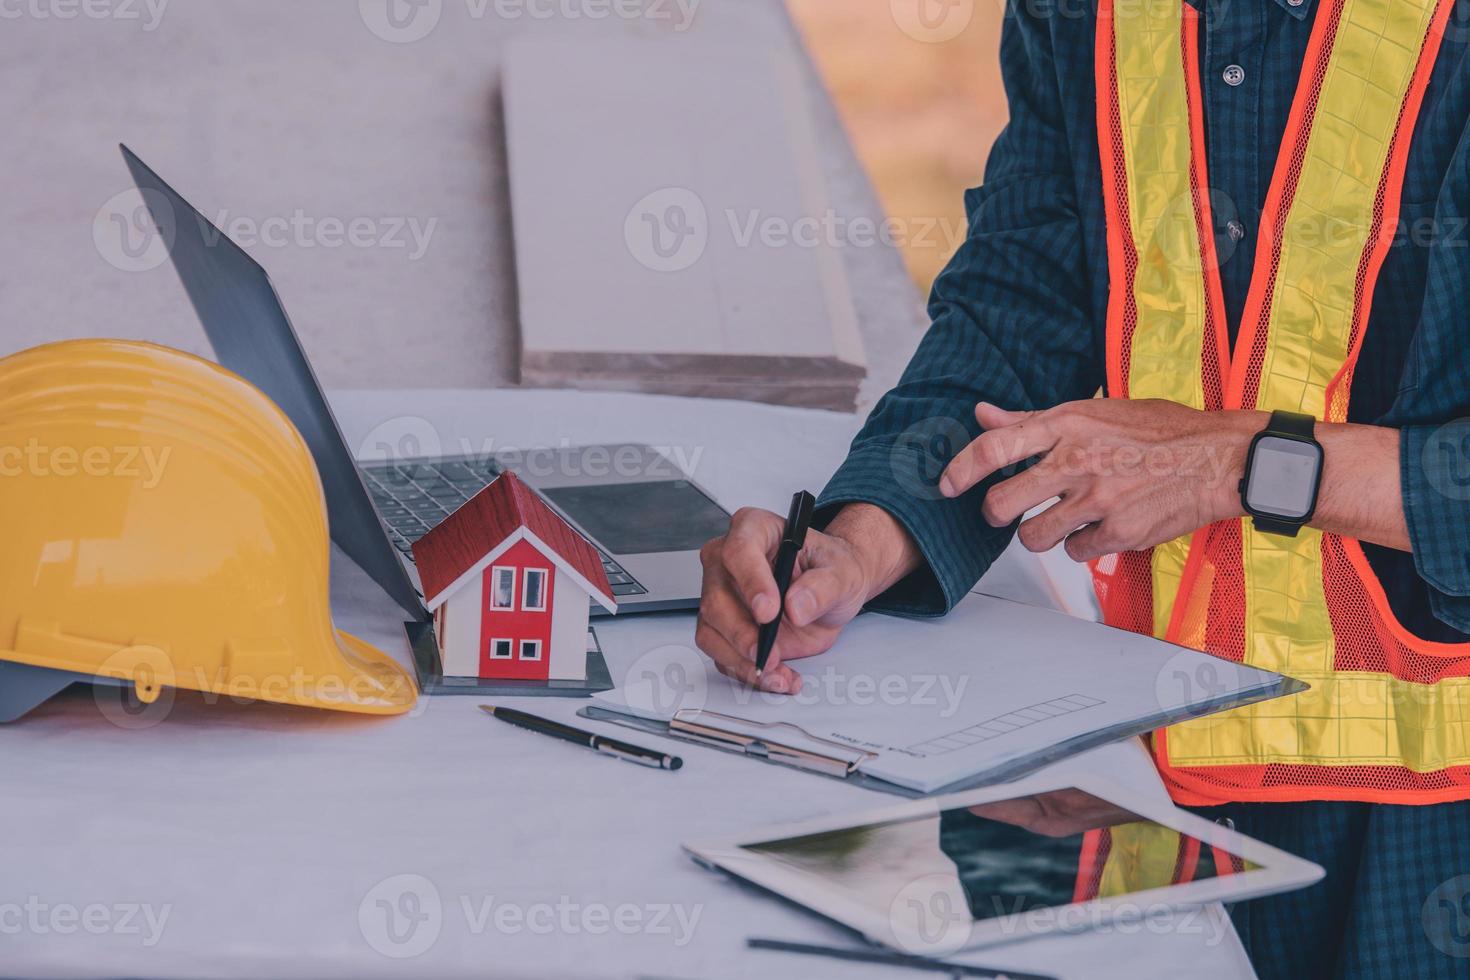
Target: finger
993,417
1047,529
994,450
750,545
778,679
724,612
1090,543
816,593
1009,500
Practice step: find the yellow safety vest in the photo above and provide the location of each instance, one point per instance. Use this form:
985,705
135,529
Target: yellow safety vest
1387,717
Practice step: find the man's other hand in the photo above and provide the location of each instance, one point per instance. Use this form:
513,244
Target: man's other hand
1128,474
863,552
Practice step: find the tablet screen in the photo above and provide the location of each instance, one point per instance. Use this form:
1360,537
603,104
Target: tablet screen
1003,858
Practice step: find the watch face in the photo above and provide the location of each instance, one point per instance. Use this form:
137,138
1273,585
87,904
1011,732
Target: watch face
1283,480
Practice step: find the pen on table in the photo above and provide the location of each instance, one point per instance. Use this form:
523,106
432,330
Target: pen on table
798,520
600,743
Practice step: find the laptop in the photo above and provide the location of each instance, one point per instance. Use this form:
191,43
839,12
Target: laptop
646,517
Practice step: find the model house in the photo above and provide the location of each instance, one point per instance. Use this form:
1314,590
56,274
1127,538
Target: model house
509,582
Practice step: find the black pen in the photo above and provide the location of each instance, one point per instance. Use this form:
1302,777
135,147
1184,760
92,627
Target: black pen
792,538
601,743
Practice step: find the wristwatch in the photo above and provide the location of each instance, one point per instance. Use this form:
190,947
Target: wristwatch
1283,472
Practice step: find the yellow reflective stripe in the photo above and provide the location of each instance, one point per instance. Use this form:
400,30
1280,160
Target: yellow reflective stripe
1141,856
1347,718
1169,286
1365,86
1166,563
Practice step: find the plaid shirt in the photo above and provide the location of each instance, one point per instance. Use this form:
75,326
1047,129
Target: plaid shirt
1019,313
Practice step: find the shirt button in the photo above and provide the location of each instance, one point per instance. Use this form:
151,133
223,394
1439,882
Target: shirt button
1233,75
1235,230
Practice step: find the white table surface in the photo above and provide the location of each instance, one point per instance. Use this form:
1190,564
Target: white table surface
261,839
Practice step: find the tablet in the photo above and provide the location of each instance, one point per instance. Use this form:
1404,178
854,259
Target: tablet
1006,863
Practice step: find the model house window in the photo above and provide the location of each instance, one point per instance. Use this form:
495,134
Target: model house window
503,588
500,649
534,596
530,649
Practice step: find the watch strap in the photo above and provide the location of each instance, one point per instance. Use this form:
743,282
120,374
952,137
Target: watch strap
1292,424
1271,526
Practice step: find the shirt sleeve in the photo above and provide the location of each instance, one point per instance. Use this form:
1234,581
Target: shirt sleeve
1432,408
1010,325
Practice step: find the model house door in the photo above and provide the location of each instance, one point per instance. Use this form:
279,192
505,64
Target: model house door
515,635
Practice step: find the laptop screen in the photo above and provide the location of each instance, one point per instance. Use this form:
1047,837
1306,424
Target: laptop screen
252,336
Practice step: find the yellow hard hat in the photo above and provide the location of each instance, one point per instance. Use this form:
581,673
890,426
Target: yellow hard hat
162,524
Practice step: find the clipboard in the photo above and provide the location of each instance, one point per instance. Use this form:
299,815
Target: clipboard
845,762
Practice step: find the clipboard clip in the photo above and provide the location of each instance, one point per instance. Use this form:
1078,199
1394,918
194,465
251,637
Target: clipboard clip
689,722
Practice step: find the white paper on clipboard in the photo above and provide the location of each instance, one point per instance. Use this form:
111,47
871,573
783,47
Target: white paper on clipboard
992,691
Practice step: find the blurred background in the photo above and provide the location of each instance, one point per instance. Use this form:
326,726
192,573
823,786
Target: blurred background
921,111
429,223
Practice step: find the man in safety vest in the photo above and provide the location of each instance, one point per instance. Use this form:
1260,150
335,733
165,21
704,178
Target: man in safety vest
1247,226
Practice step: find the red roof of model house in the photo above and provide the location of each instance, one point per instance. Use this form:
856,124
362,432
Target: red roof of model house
506,511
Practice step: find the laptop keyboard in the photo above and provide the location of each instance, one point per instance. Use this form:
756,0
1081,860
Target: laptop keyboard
414,497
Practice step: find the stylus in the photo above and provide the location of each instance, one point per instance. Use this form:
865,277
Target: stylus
893,959
616,748
792,538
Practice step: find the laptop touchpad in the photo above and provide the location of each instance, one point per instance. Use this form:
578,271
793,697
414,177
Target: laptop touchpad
642,518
